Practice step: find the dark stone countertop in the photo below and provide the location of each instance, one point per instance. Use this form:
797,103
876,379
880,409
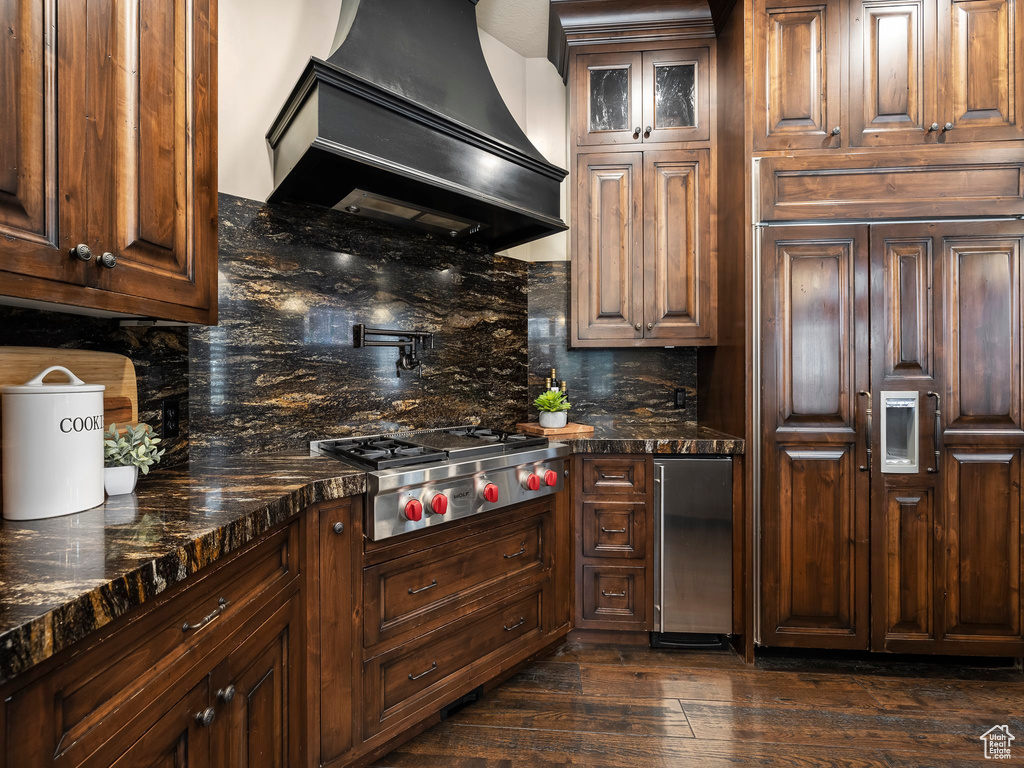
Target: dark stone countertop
623,436
63,578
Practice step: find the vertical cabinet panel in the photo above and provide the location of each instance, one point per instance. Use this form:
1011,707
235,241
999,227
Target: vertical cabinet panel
982,525
906,309
982,55
908,519
796,74
608,108
983,334
892,72
158,84
676,95
607,280
679,274
177,740
814,498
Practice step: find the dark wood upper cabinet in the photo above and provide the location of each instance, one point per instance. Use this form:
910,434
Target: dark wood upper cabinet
113,105
797,67
892,72
981,57
607,283
608,98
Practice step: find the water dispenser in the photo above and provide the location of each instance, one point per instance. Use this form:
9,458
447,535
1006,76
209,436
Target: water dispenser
900,428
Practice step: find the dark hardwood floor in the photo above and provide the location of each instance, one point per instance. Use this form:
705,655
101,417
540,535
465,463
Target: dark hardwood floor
641,708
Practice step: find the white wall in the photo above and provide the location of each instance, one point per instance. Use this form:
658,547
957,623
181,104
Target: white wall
264,46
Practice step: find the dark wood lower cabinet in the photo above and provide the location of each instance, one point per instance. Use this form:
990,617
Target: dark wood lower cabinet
937,309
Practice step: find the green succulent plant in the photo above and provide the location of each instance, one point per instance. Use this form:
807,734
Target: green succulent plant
137,447
552,401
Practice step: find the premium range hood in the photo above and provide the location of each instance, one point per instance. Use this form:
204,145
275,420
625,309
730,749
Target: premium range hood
403,122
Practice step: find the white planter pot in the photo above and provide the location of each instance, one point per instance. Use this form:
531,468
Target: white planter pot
52,447
550,420
120,480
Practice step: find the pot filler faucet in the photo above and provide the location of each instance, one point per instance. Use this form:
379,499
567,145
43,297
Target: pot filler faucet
407,342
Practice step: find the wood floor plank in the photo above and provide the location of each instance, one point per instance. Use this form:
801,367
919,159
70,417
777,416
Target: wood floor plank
579,714
547,676
935,695
869,729
744,686
460,745
640,656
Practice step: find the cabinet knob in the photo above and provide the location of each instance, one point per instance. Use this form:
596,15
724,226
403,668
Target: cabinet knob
226,694
933,127
636,132
339,527
82,252
647,132
205,718
639,326
836,131
650,326
108,260
947,127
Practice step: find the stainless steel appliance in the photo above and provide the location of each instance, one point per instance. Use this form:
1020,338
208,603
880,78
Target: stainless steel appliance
431,477
693,550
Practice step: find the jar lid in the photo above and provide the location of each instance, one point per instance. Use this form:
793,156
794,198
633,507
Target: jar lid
36,386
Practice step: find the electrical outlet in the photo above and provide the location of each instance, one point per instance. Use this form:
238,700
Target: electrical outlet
170,426
680,398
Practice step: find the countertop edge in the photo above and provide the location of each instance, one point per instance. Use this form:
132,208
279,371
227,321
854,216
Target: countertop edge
112,600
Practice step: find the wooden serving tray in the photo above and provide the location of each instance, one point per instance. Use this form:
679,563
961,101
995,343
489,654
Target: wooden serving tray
569,430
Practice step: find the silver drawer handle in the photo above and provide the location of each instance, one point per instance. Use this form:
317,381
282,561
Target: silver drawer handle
613,594
431,585
613,530
614,477
522,549
433,666
221,605
522,620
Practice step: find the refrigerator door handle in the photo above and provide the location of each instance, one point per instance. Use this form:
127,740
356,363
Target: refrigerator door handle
659,549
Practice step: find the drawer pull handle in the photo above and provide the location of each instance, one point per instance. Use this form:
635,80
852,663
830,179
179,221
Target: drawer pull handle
433,666
221,605
606,476
522,549
431,585
613,530
613,594
522,620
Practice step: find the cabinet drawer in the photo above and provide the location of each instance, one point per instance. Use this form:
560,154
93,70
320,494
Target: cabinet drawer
416,676
614,476
419,591
615,594
614,529
93,697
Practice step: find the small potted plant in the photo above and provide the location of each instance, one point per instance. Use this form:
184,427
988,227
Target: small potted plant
125,454
553,405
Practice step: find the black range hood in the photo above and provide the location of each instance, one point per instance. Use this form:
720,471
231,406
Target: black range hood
403,122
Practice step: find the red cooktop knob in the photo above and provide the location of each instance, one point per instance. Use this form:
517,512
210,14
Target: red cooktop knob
491,493
532,483
414,510
439,504
551,478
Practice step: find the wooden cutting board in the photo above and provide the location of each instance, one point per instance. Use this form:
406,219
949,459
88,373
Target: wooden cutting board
569,430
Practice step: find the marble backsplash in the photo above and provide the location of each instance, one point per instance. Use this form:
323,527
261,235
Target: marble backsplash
160,355
635,386
280,368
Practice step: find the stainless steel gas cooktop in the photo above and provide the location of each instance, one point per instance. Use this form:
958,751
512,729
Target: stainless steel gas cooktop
430,477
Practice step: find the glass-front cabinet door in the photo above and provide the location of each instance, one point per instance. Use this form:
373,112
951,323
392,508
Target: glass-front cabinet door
676,95
608,109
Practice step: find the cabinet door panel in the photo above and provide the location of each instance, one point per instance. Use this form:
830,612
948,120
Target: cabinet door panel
679,271
984,542
259,726
29,56
608,91
796,74
607,279
176,741
152,165
981,44
814,498
983,334
676,101
892,72
909,559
